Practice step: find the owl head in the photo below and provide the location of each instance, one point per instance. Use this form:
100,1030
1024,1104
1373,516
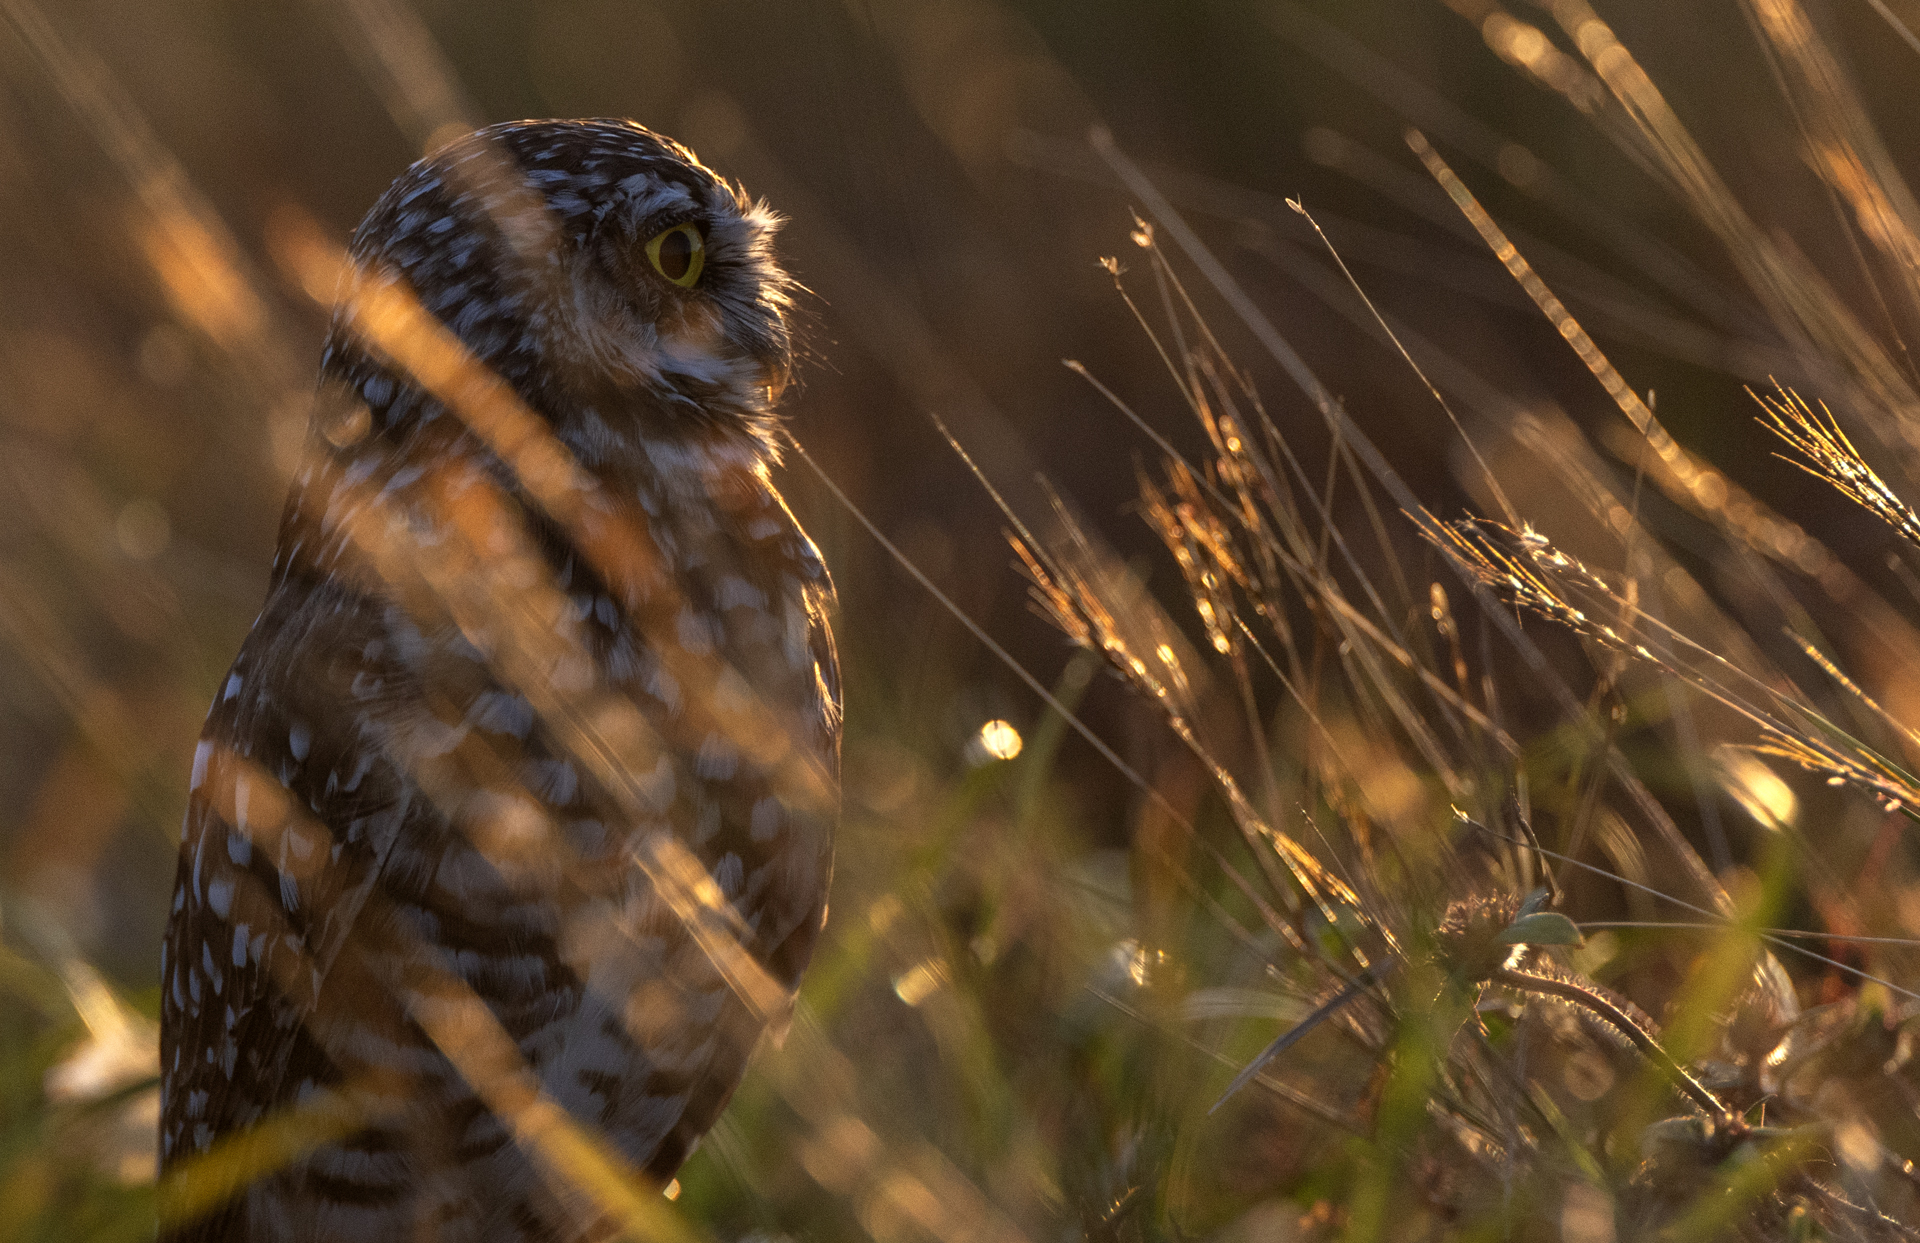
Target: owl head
620,286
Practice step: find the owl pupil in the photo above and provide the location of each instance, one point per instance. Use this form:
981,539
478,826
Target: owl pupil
676,254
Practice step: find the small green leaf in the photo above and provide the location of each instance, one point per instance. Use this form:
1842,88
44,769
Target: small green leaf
1541,928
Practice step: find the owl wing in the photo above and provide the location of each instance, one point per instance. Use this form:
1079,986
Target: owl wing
290,818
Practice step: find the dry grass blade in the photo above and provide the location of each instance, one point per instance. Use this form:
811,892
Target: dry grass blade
1105,609
1843,144
1800,303
1525,568
1828,454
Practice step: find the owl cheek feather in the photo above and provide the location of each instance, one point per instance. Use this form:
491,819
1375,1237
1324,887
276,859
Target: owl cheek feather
695,333
599,333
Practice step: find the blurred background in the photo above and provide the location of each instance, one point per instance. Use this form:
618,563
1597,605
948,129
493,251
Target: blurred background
949,214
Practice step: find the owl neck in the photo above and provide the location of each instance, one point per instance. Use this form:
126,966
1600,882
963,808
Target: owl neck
385,457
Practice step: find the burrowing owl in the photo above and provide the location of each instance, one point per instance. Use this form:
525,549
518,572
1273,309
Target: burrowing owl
511,825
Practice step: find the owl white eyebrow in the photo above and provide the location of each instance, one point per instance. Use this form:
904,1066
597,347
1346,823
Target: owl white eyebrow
656,219
660,221
657,199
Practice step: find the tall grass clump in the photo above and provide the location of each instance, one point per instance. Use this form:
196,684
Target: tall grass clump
1440,862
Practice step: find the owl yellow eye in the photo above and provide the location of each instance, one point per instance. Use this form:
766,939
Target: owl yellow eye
678,254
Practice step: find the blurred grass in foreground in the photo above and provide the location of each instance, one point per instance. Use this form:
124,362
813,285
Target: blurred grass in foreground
1379,781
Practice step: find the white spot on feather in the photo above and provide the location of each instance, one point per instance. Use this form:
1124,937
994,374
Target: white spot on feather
695,631
501,712
736,592
718,758
767,818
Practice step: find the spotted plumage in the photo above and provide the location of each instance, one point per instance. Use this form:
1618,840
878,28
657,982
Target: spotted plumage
516,804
